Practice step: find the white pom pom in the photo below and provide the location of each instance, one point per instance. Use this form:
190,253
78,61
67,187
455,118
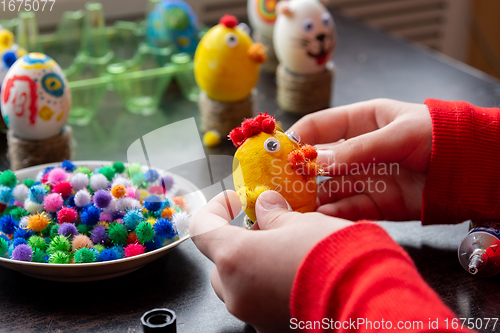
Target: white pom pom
135,204
39,176
112,207
82,198
79,181
24,222
181,222
32,207
98,182
20,192
119,180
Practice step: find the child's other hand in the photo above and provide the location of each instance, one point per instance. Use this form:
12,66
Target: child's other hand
255,269
377,153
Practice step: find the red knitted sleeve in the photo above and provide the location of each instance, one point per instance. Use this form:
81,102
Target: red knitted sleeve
359,279
463,180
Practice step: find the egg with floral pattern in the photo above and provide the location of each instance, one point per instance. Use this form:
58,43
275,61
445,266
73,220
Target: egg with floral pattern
35,98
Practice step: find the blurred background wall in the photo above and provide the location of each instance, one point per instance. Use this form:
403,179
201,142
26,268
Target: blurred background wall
467,30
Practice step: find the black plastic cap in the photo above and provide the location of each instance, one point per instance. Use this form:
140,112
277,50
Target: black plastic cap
159,320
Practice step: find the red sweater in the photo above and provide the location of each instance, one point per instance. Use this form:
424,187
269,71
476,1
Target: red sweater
359,279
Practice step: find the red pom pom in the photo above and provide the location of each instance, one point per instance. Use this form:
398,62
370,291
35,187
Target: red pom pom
66,214
229,21
132,237
268,125
2,207
45,178
237,136
250,127
63,188
310,152
296,157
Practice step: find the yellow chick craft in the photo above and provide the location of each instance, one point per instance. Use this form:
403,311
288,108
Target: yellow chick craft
226,62
268,159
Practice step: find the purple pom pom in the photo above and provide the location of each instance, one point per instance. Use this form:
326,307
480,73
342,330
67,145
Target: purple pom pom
117,215
98,235
22,252
167,183
67,229
102,199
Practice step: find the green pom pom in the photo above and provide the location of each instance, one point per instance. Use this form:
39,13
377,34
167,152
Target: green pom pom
85,255
134,169
17,213
145,232
138,179
8,178
107,171
99,247
59,257
83,229
8,209
59,243
117,233
53,231
38,255
28,182
37,242
119,167
46,231
47,188
3,246
82,169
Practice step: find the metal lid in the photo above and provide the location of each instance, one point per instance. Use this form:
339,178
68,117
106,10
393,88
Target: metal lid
159,320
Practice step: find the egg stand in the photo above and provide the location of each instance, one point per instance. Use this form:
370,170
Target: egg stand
224,116
26,153
302,94
272,62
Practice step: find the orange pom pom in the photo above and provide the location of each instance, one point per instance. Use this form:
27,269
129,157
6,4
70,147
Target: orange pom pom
38,222
179,201
118,191
310,152
296,157
168,212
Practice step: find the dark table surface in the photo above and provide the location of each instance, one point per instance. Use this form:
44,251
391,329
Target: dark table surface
369,65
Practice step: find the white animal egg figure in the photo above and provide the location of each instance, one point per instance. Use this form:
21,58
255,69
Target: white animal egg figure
262,15
304,36
35,98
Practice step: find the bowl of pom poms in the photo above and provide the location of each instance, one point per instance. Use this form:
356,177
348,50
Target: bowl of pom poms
91,220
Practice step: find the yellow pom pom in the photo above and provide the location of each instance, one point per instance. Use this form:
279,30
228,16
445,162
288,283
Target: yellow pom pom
151,220
105,224
143,194
38,222
211,139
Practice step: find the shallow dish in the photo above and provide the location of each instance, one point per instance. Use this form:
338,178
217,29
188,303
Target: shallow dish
103,270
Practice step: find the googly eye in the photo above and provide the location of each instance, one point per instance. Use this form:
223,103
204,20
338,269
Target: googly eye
294,136
245,28
231,40
308,25
326,18
272,145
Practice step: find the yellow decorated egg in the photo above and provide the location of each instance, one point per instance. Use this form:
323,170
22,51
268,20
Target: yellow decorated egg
36,99
226,62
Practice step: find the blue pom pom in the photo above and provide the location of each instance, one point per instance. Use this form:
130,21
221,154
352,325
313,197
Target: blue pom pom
70,202
153,203
47,170
4,237
18,241
167,203
151,176
36,194
5,194
24,233
120,253
164,228
9,58
8,224
133,218
107,255
154,244
68,166
90,215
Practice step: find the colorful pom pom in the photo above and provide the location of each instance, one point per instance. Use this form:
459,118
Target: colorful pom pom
66,214
118,191
164,228
117,233
132,237
229,21
152,203
133,250
36,194
296,157
38,255
250,127
81,241
8,224
237,136
3,247
22,252
98,182
32,207
79,181
107,255
108,172
145,232
151,176
59,257
67,229
29,182
53,202
167,212
20,192
181,222
64,188
98,235
8,178
132,218
37,242
59,243
82,198
68,165
91,215
119,167
17,213
102,199
85,255
5,194
18,241
23,233
57,175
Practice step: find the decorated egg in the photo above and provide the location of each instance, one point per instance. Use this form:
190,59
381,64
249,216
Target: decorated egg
173,22
262,15
36,99
226,62
304,36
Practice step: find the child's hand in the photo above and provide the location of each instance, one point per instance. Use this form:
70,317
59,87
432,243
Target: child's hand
255,269
378,170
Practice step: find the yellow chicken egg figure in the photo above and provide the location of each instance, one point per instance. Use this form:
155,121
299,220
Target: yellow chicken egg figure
226,62
268,159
